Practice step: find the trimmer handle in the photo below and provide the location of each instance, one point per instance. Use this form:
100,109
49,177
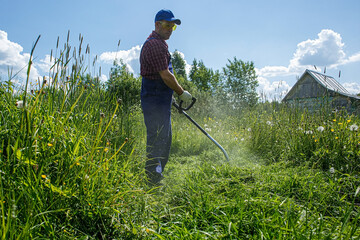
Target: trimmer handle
180,108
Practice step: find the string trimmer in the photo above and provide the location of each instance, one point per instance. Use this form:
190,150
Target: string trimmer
182,110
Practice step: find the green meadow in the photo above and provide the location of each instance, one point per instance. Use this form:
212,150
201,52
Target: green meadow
72,157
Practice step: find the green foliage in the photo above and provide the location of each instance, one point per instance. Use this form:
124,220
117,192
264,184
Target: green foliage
205,79
123,85
178,64
72,159
64,160
324,140
241,82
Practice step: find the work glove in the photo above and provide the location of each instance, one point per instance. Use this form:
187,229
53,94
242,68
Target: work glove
185,96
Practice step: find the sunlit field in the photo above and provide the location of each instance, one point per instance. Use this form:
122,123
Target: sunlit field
72,157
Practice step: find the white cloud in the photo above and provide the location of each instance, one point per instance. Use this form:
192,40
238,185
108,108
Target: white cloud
129,57
325,51
44,64
12,58
272,71
270,91
187,66
351,59
353,88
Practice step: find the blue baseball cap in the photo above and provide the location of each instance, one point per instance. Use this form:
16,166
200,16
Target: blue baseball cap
167,15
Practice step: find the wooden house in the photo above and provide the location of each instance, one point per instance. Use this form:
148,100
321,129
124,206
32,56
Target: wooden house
315,89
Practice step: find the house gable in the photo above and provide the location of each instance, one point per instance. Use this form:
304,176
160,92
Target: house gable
306,87
313,88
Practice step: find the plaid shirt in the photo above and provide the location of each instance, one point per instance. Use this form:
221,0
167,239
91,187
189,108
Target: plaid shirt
154,57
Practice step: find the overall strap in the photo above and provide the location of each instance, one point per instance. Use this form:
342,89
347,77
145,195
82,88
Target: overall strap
145,43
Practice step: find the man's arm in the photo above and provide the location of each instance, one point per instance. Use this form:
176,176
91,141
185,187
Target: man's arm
170,80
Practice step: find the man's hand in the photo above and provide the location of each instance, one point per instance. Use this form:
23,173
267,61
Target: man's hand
185,96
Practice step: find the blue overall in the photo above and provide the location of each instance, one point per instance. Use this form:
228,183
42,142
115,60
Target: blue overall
156,100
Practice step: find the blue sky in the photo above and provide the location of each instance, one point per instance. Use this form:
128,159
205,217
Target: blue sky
282,38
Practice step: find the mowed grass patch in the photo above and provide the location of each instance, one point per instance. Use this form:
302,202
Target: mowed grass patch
271,202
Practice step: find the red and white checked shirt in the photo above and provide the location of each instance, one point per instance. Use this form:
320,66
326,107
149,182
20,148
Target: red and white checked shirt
154,57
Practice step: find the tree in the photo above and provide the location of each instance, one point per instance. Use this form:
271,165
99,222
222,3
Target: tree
241,82
204,78
122,84
178,64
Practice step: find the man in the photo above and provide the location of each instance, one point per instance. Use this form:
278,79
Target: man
158,85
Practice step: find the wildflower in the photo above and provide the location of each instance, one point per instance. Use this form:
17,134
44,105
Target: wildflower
340,123
50,144
208,129
320,129
148,230
356,192
334,120
353,127
78,164
102,115
43,176
316,140
332,130
13,210
336,137
309,132
249,129
19,104
106,149
119,101
269,123
332,170
349,120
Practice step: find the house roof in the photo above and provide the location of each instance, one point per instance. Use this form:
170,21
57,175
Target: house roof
327,82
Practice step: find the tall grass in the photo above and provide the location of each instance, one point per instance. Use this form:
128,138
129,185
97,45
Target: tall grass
67,157
72,157
326,140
